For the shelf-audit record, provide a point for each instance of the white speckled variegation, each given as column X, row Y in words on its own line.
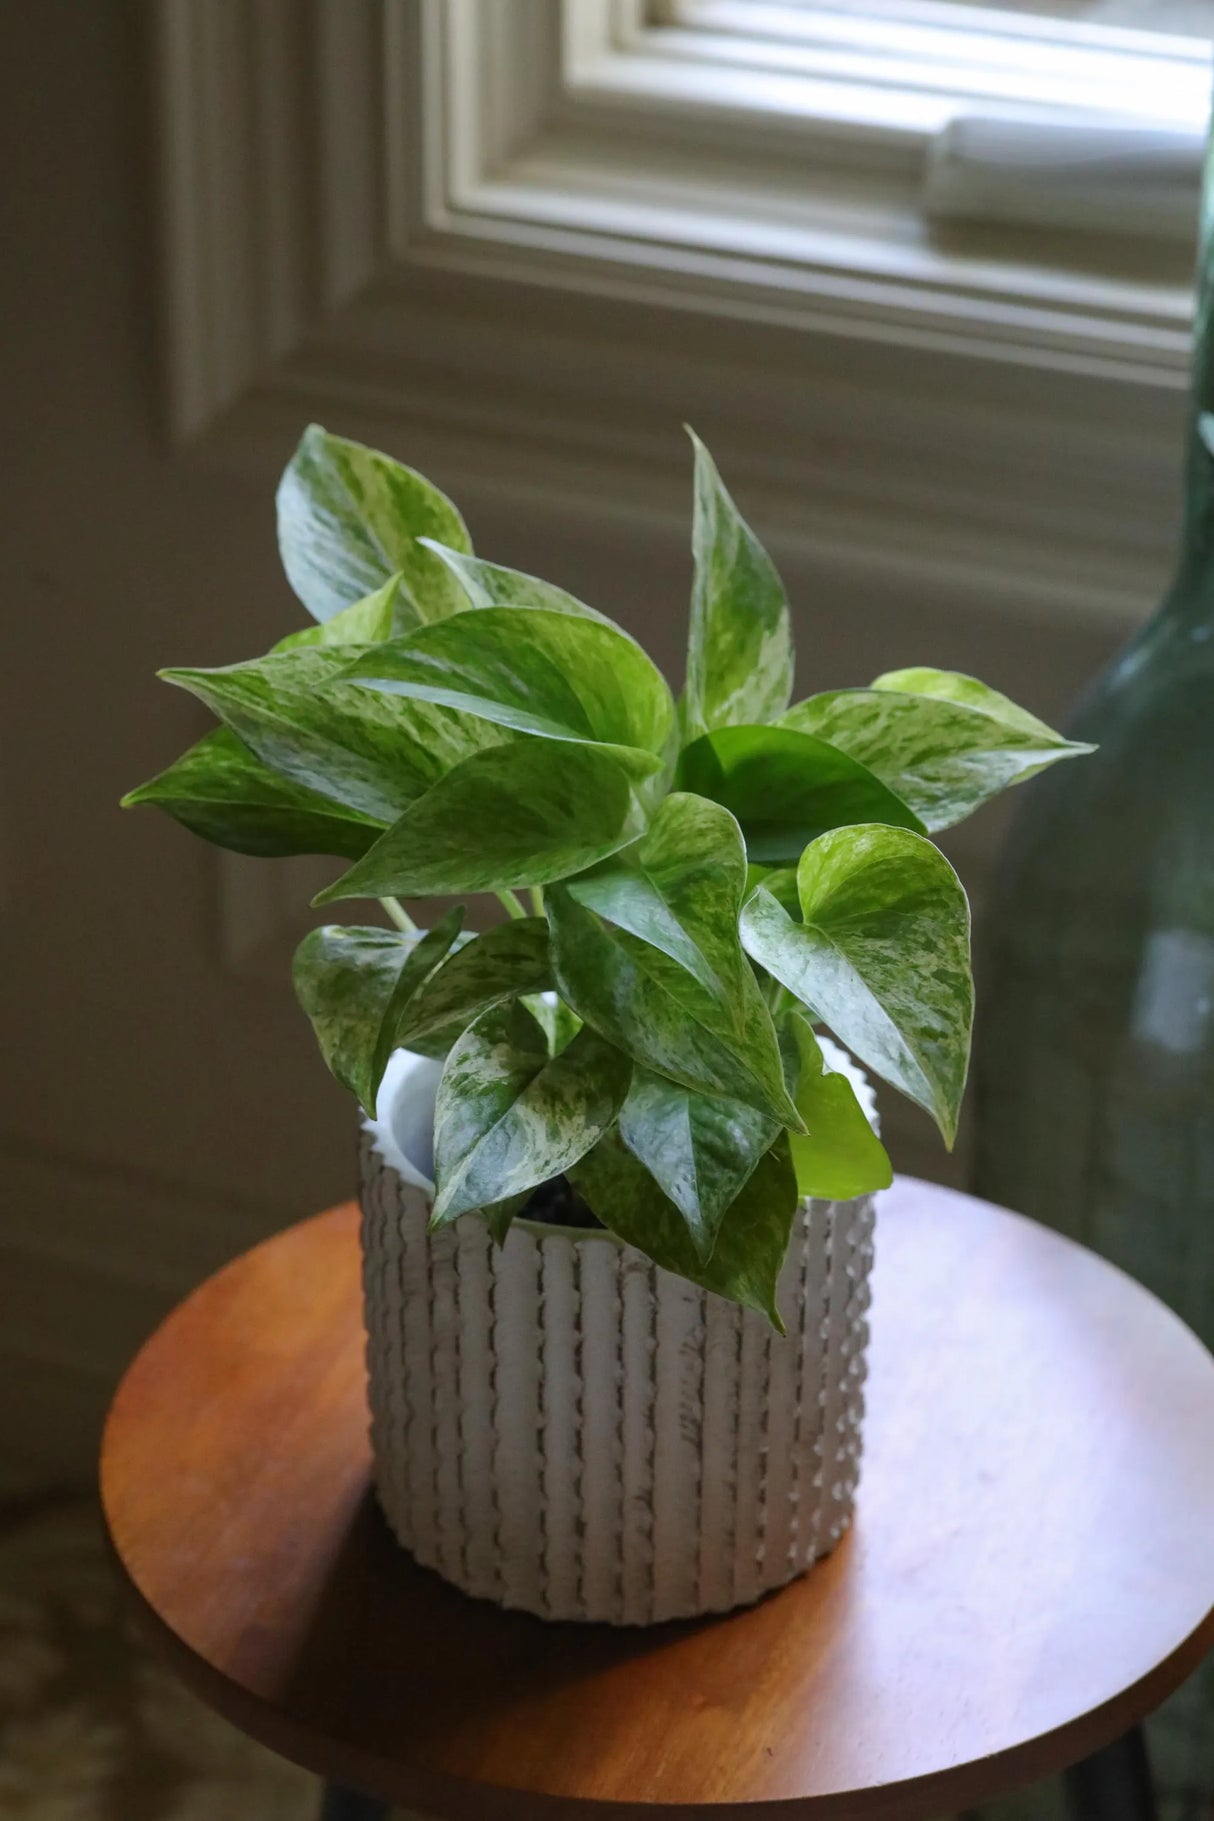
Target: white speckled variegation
column 559, row 1425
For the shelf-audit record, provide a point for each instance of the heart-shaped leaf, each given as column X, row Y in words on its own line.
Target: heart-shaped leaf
column 355, row 984
column 942, row 742
column 786, row 788
column 513, row 816
column 371, row 752
column 509, row 1116
column 541, row 673
column 376, row 617
column 740, row 656
column 840, row 1155
column 505, row 963
column 491, row 585
column 680, row 889
column 223, row 792
column 882, row 957
column 349, row 518
column 752, row 1238
column 699, row 1148
column 650, row 1006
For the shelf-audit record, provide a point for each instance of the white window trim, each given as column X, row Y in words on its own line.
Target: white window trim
column 461, row 231
column 619, row 178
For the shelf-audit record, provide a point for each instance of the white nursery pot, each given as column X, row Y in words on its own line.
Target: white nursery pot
column 562, row 1426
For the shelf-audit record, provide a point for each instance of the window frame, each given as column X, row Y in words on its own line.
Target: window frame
column 424, row 224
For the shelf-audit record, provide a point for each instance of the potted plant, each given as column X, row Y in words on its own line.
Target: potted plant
column 617, row 1186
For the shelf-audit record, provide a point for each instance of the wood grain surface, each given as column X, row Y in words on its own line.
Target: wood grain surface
column 1031, row 1569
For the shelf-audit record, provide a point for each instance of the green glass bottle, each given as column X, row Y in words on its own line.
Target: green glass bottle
column 1094, row 1065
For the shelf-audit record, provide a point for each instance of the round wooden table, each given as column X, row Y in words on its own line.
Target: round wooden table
column 1030, row 1572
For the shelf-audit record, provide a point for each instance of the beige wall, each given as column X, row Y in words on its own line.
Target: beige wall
column 163, row 1104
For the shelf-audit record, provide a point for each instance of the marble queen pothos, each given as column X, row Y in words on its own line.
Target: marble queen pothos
column 707, row 879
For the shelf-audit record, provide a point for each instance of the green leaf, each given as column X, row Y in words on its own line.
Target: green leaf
column 376, row 617
column 648, row 1005
column 786, row 788
column 955, row 686
column 509, row 1117
column 540, row 673
column 679, row 889
column 506, row 962
column 751, row 1240
column 699, row 1148
column 943, row 742
column 740, row 656
column 355, row 984
column 349, row 518
column 368, row 751
column 840, row 1155
column 223, row 792
column 882, row 957
column 558, row 1021
column 491, row 585
column 517, row 815
column 780, row 881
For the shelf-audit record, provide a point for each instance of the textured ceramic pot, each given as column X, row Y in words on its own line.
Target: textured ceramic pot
column 561, row 1426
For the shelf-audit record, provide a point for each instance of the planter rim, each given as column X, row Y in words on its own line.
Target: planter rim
column 401, row 1134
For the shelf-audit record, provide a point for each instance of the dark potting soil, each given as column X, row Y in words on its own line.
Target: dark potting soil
column 558, row 1204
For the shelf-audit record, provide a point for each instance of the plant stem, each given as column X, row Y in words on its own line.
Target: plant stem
column 536, row 893
column 399, row 914
column 513, row 906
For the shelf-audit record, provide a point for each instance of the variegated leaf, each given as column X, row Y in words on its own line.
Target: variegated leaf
column 368, row 751
column 537, row 672
column 740, row 656
column 955, row 686
column 376, row 617
column 839, row 1155
column 491, row 585
column 786, row 788
column 505, row 963
column 355, row 985
column 650, row 1006
column 349, row 518
column 699, row 1148
column 222, row 791
column 679, row 889
column 510, row 1117
column 752, row 1237
column 882, row 957
column 517, row 815
column 558, row 1021
column 942, row 742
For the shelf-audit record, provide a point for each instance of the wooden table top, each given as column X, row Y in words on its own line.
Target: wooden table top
column 1031, row 1569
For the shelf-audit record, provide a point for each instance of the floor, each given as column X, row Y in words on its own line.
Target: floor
column 91, row 1729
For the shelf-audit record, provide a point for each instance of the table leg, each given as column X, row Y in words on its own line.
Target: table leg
column 1114, row 1784
column 342, row 1804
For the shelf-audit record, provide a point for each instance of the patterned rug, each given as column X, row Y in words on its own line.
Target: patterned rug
column 92, row 1729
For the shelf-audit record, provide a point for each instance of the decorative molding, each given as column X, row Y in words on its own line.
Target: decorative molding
column 401, row 214
column 445, row 226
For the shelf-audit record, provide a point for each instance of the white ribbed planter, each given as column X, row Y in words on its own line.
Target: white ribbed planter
column 559, row 1425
